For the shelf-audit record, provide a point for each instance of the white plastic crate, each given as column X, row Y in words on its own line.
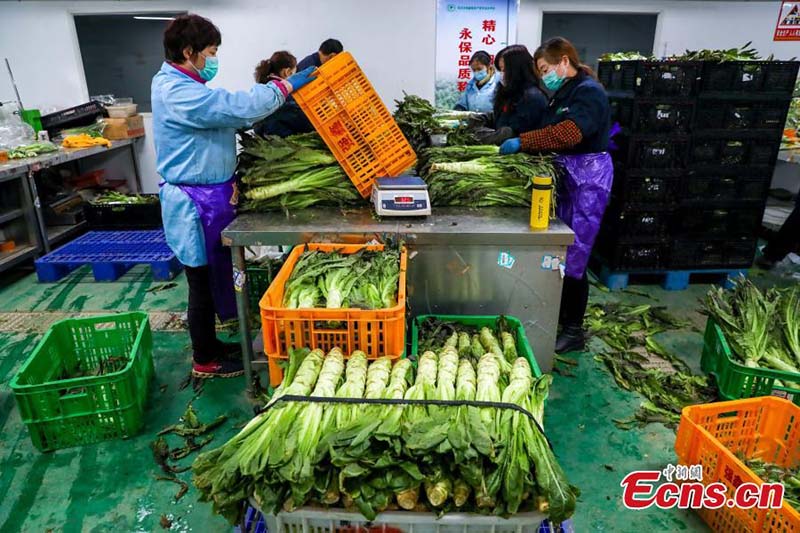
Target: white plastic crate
column 313, row 520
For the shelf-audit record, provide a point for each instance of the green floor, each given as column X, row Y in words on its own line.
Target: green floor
column 111, row 486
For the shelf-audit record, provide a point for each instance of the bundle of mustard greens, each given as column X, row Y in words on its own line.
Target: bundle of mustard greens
column 374, row 457
column 478, row 176
column 291, row 173
column 364, row 280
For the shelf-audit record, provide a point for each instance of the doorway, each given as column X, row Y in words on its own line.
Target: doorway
column 594, row 34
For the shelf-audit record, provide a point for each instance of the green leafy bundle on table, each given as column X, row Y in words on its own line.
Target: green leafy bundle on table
column 115, row 198
column 637, row 362
column 419, row 119
column 291, row 173
column 478, row 176
column 375, row 457
column 624, row 56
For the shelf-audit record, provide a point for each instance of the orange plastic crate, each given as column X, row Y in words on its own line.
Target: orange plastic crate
column 355, row 124
column 766, row 428
column 377, row 332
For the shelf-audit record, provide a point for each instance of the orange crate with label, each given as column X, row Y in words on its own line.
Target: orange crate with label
column 355, row 124
column 376, row 332
column 765, row 428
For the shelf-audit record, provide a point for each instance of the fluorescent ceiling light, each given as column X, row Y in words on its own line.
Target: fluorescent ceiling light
column 154, row 18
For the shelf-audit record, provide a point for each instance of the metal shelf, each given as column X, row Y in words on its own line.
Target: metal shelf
column 11, row 214
column 16, row 167
column 9, row 259
column 59, row 233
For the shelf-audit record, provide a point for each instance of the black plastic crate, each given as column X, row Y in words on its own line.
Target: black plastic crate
column 652, row 152
column 661, row 116
column 618, row 75
column 74, row 117
column 733, row 253
column 620, row 255
column 621, row 111
column 741, row 115
column 718, row 221
column 124, row 216
column 637, row 223
column 731, row 152
column 776, row 77
column 724, row 187
column 668, row 78
column 642, row 188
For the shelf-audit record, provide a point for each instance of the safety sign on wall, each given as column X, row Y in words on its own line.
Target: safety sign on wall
column 788, row 25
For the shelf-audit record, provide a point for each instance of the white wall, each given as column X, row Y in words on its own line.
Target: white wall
column 681, row 25
column 394, row 41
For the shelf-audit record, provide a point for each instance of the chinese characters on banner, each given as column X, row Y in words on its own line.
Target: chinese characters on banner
column 788, row 25
column 464, row 27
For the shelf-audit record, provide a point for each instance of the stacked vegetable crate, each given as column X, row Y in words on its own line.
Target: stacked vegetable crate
column 696, row 155
column 653, row 103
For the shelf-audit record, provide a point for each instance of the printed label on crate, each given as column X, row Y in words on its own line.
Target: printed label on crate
column 682, row 486
column 783, row 394
column 238, row 279
column 506, row 260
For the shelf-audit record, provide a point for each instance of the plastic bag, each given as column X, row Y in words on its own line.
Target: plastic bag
column 14, row 132
column 583, row 192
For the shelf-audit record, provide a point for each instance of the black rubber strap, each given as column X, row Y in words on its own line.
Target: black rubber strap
column 388, row 401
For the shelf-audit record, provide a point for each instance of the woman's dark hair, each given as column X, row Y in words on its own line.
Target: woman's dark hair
column 191, row 31
column 518, row 76
column 272, row 66
column 481, row 57
column 552, row 50
column 331, row 46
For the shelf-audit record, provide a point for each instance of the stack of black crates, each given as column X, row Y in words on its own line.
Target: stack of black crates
column 693, row 162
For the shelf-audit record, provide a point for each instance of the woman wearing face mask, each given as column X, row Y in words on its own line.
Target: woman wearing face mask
column 479, row 94
column 194, row 129
column 519, row 105
column 289, row 119
column 576, row 125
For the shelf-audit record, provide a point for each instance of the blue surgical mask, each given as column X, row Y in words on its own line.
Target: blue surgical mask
column 552, row 80
column 480, row 75
column 210, row 70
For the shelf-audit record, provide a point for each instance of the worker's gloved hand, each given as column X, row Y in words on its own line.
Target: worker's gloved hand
column 511, row 146
column 495, row 137
column 302, row 78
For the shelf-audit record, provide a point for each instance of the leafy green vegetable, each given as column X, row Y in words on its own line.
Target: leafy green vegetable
column 366, row 280
column 477, row 176
column 291, row 173
column 761, row 327
column 371, row 458
column 629, row 331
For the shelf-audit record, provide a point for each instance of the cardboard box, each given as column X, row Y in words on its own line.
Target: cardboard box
column 124, row 128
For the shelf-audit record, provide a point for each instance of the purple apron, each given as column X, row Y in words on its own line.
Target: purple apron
column 216, row 205
column 583, row 191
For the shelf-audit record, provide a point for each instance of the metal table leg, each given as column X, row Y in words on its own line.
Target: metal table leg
column 135, row 161
column 243, row 308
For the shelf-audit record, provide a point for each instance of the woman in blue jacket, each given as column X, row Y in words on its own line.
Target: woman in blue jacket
column 576, row 125
column 479, row 94
column 194, row 129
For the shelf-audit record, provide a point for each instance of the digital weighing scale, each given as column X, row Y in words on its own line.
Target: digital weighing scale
column 403, row 196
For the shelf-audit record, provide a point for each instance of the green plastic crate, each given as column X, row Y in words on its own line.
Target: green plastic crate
column 258, row 280
column 523, row 346
column 736, row 381
column 72, row 412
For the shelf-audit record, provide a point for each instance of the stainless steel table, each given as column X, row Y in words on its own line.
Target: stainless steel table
column 461, row 261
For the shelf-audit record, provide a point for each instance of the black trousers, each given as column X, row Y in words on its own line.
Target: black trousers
column 788, row 237
column 202, row 317
column 574, row 299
